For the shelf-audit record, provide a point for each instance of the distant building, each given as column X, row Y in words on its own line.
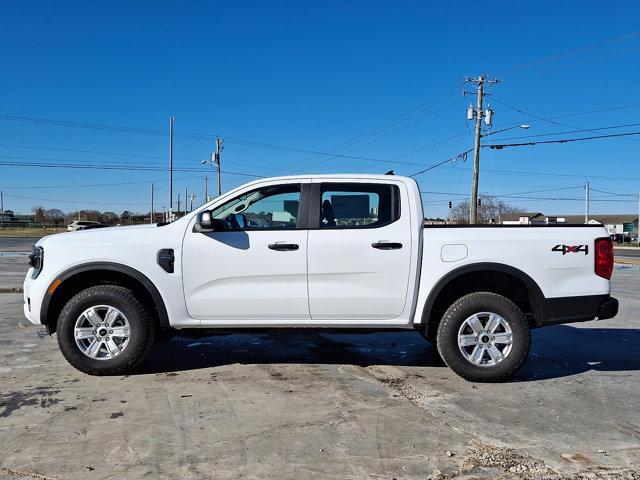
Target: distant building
column 614, row 223
column 7, row 216
column 10, row 219
column 524, row 218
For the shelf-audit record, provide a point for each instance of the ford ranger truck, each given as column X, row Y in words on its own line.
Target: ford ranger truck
column 327, row 252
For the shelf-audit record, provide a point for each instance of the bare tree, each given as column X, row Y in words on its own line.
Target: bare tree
column 109, row 218
column 38, row 214
column 490, row 210
column 92, row 215
column 55, row 215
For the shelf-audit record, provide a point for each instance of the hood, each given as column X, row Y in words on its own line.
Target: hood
column 108, row 235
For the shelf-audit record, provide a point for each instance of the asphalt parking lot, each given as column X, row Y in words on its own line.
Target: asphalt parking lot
column 306, row 405
column 13, row 261
column 627, row 252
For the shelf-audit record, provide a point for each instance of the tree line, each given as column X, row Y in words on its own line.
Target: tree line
column 55, row 216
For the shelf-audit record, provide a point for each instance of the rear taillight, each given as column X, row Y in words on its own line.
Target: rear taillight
column 604, row 257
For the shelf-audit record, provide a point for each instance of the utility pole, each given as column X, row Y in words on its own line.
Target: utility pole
column 185, row 199
column 476, row 154
column 206, row 191
column 192, row 197
column 178, row 204
column 219, row 148
column 638, row 227
column 152, row 212
column 215, row 163
column 478, row 114
column 171, row 122
column 1, row 210
column 586, row 201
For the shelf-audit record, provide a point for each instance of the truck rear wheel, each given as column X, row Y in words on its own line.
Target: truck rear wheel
column 105, row 330
column 484, row 337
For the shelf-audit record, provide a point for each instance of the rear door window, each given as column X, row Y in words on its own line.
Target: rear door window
column 358, row 205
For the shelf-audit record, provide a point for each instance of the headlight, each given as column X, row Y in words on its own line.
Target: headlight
column 36, row 260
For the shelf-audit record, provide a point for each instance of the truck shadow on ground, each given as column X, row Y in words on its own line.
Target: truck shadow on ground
column 556, row 352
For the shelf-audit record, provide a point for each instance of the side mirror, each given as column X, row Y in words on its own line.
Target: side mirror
column 204, row 222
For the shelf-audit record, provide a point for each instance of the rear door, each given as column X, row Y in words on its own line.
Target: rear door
column 360, row 248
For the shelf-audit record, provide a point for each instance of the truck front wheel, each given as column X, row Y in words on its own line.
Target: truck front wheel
column 484, row 337
column 105, row 330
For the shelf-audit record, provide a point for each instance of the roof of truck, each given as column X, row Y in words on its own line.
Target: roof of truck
column 337, row 175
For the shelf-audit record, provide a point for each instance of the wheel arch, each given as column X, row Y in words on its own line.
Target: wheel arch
column 79, row 277
column 485, row 276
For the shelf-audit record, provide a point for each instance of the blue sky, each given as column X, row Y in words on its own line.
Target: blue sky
column 314, row 75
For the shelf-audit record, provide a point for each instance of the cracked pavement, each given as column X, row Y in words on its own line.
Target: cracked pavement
column 309, row 405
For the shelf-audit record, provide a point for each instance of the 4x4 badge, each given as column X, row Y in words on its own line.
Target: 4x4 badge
column 571, row 249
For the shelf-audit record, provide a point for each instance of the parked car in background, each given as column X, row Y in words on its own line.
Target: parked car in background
column 620, row 238
column 77, row 224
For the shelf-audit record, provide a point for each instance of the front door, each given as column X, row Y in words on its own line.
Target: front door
column 256, row 269
column 360, row 248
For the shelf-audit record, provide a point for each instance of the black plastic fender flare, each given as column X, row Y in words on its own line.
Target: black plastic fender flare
column 114, row 267
column 534, row 288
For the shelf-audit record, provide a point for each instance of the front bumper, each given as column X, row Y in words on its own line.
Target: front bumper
column 578, row 309
column 32, row 297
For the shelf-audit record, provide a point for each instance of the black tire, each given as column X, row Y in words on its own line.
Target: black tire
column 141, row 330
column 465, row 307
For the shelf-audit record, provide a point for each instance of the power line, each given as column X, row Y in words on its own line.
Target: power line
column 602, row 110
column 382, row 127
column 375, row 160
column 562, row 140
column 461, row 156
column 95, row 152
column 627, row 125
column 575, row 51
column 81, row 185
column 122, row 154
column 378, row 138
column 559, row 175
column 538, row 118
column 115, row 167
column 430, row 145
column 615, row 194
column 548, row 120
column 184, row 135
column 551, row 190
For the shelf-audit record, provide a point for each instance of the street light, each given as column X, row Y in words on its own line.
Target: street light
column 523, row 125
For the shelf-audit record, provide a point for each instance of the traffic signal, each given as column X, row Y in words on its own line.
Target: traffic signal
column 450, row 205
column 479, row 202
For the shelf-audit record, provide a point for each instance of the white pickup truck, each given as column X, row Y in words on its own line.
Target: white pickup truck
column 331, row 252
